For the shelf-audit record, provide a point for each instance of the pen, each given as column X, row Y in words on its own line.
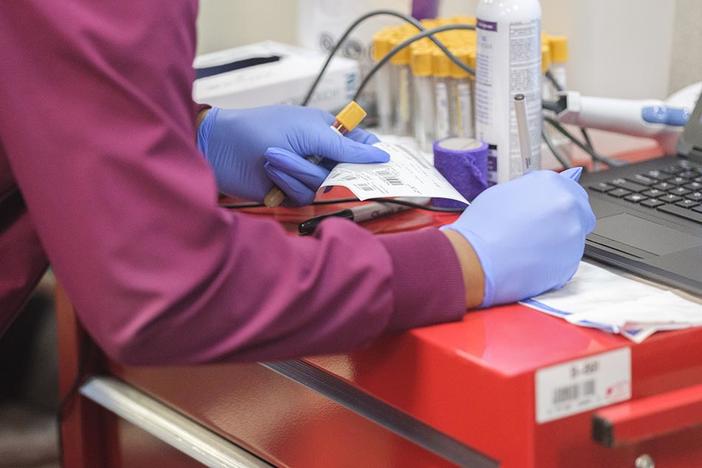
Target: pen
column 523, row 130
column 346, row 120
column 356, row 214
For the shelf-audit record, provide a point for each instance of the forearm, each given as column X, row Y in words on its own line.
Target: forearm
column 158, row 273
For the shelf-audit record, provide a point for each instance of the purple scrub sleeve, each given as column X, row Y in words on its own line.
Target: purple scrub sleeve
column 97, row 134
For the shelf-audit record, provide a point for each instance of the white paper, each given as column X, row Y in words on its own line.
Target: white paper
column 583, row 384
column 407, row 174
column 598, row 298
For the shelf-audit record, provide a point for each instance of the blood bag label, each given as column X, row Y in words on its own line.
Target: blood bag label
column 581, row 385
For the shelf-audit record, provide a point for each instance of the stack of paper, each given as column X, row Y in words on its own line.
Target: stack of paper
column 598, row 298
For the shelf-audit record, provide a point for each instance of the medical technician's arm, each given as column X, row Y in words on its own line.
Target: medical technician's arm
column 97, row 120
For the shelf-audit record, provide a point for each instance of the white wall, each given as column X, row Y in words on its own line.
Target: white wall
column 229, row 23
column 687, row 44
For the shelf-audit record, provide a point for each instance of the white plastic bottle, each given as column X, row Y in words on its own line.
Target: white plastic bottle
column 508, row 63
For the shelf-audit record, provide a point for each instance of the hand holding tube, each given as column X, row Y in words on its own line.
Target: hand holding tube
column 250, row 150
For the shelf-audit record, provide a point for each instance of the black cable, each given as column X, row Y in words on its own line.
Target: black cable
column 593, row 154
column 553, row 106
column 554, row 81
column 586, row 137
column 355, row 24
column 410, row 40
column 352, row 200
column 261, row 205
column 557, row 154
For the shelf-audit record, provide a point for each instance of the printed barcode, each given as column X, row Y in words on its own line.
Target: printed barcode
column 365, row 187
column 573, row 392
column 390, row 177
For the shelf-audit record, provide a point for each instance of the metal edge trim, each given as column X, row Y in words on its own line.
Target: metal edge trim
column 168, row 425
column 382, row 414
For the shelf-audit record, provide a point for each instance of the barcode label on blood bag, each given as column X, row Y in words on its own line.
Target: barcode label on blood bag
column 582, row 385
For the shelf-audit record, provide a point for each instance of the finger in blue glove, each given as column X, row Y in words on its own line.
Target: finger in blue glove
column 297, row 193
column 289, row 163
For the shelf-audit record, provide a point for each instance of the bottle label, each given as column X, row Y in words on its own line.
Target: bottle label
column 525, row 78
column 508, row 63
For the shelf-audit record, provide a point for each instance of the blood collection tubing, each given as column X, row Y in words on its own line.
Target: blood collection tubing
column 346, row 120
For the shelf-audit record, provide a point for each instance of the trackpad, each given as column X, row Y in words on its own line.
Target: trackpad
column 644, row 235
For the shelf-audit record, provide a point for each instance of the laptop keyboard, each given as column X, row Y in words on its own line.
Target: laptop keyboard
column 675, row 189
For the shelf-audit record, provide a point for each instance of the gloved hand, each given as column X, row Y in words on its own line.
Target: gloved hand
column 529, row 233
column 251, row 149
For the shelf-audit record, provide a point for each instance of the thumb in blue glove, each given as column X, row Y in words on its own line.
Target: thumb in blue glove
column 251, row 149
column 529, row 233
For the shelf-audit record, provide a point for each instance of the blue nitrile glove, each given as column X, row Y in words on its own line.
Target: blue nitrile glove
column 251, row 149
column 529, row 233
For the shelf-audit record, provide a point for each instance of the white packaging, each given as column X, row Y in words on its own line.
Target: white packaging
column 508, row 63
column 285, row 81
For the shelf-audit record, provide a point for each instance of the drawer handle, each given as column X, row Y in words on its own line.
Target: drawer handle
column 648, row 418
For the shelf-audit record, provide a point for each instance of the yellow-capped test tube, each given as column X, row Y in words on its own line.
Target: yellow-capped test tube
column 441, row 71
column 461, row 95
column 401, row 76
column 385, row 97
column 345, row 121
column 423, row 104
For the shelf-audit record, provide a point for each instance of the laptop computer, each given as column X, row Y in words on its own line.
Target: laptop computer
column 649, row 214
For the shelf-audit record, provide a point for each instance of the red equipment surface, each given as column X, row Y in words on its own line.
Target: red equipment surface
column 468, row 385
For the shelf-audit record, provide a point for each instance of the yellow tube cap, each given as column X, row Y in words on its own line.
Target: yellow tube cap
column 545, row 58
column 463, row 20
column 421, row 62
column 381, row 45
column 402, row 57
column 351, row 115
column 473, row 58
column 441, row 65
column 464, row 56
column 429, row 23
column 559, row 48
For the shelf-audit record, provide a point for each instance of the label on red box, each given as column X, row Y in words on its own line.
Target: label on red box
column 581, row 385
